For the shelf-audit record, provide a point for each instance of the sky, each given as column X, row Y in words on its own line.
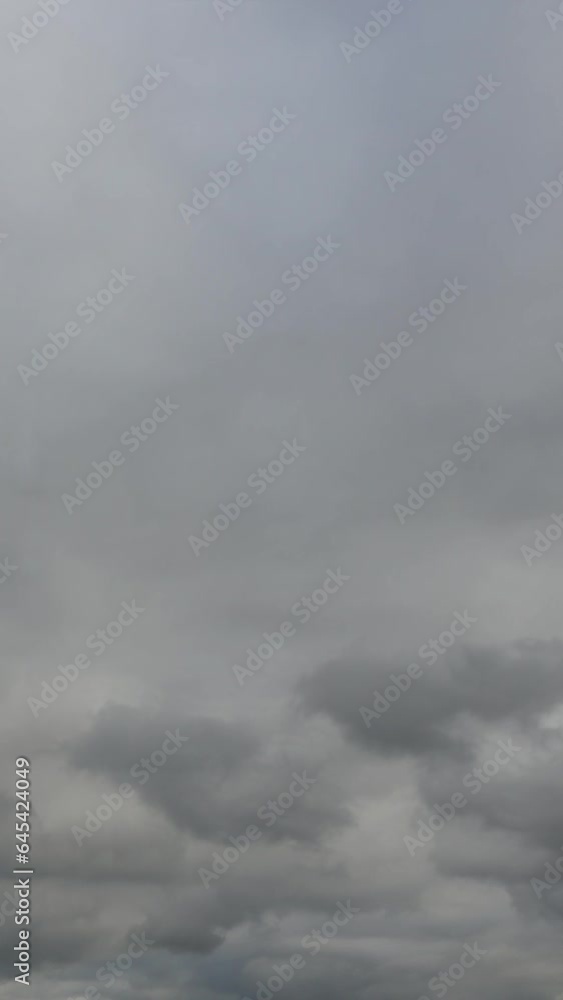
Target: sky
column 282, row 472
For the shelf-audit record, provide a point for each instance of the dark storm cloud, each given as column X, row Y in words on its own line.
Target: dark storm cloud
column 217, row 781
column 486, row 685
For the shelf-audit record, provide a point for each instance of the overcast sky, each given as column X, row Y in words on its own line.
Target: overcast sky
column 313, row 246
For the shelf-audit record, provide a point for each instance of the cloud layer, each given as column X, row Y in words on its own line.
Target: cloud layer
column 255, row 810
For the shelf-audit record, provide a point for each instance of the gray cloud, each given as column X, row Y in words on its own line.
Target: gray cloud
column 323, row 176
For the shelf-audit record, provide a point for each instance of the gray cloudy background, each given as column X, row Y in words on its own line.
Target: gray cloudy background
column 332, row 509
